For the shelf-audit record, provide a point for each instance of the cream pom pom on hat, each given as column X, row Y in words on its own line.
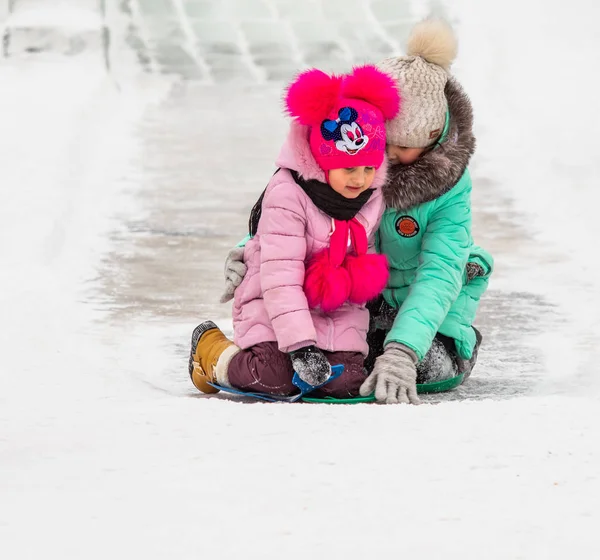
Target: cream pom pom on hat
column 422, row 77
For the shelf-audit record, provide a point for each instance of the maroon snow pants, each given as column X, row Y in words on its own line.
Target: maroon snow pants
column 264, row 368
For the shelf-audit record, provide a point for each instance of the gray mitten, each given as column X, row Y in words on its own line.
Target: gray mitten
column 235, row 270
column 394, row 377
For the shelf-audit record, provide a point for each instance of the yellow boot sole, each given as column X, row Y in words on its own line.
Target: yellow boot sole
column 201, row 380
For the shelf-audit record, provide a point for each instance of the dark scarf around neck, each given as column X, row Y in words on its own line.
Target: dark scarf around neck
column 329, row 201
column 322, row 196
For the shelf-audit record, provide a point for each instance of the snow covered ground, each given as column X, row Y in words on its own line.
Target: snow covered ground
column 120, row 195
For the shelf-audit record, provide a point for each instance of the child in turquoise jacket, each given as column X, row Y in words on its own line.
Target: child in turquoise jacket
column 421, row 329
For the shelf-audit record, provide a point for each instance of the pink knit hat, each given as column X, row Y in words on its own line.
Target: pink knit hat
column 346, row 114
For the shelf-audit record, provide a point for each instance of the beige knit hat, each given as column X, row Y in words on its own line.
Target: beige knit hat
column 421, row 77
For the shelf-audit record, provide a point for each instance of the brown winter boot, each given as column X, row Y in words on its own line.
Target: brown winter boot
column 208, row 344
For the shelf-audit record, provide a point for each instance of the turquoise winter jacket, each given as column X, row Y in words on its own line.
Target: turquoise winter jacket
column 426, row 235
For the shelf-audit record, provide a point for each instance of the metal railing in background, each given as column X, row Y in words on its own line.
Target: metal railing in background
column 6, row 7
column 105, row 34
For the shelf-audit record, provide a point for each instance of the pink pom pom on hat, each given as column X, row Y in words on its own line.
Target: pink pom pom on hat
column 346, row 114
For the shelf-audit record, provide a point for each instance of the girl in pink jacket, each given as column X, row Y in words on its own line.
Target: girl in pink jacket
column 311, row 264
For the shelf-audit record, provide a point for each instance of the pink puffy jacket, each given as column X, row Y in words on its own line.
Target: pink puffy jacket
column 270, row 304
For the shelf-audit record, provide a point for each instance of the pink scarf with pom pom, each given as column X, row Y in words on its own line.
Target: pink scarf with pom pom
column 335, row 276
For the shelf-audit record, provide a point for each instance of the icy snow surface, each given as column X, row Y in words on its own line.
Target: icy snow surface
column 121, row 193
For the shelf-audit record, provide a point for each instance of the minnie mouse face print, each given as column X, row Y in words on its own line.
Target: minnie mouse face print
column 353, row 139
column 345, row 131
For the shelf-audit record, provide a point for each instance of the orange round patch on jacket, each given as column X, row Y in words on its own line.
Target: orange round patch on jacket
column 407, row 226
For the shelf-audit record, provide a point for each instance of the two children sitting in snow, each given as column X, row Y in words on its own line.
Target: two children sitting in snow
column 355, row 258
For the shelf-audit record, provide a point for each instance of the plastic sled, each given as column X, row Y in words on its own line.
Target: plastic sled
column 434, row 387
column 304, row 388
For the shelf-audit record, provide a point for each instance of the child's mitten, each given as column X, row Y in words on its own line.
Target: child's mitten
column 311, row 365
column 394, row 377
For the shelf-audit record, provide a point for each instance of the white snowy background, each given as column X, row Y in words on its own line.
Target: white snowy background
column 135, row 137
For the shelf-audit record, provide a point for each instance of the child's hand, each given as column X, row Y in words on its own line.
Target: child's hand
column 394, row 377
column 235, row 270
column 311, row 365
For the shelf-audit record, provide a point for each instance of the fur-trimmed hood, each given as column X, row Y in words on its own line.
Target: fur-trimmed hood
column 296, row 155
column 437, row 171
